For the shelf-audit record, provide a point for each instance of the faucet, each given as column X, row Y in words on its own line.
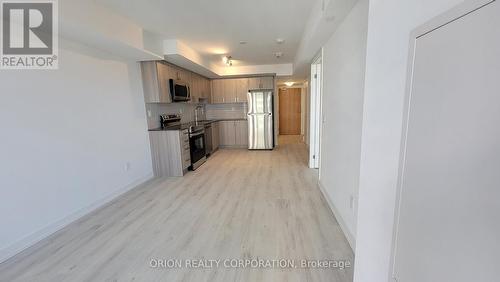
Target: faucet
column 196, row 117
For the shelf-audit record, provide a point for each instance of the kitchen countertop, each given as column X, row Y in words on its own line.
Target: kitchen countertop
column 183, row 126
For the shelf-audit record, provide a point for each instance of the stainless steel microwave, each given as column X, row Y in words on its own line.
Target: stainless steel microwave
column 179, row 90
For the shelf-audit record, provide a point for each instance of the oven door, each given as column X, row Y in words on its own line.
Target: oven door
column 197, row 145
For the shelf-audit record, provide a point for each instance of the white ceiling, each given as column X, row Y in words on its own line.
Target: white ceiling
column 215, row 27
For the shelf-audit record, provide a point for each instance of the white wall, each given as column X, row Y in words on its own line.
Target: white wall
column 66, row 137
column 389, row 27
column 343, row 81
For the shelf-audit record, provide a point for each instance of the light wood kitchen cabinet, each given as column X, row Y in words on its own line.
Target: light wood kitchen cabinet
column 180, row 74
column 241, row 89
column 229, row 90
column 241, row 133
column 156, row 77
column 258, row 83
column 227, row 133
column 170, row 152
column 233, row 133
column 217, row 91
column 215, row 136
column 155, row 82
column 200, row 88
column 207, row 90
column 196, row 88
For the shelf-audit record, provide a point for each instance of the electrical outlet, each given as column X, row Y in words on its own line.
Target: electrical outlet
column 128, row 166
column 149, row 114
column 351, row 202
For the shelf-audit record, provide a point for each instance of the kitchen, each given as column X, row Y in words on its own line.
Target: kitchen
column 191, row 116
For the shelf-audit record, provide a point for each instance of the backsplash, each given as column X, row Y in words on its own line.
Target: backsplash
column 155, row 110
column 212, row 111
column 226, row 111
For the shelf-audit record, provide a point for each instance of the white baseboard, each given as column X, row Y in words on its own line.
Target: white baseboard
column 340, row 220
column 45, row 232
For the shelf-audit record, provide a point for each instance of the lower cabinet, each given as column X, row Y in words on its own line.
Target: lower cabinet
column 233, row 133
column 170, row 152
column 215, row 136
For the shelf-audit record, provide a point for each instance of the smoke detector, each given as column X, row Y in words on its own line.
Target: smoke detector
column 278, row 55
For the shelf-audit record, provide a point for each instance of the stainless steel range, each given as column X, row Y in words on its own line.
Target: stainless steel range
column 197, row 145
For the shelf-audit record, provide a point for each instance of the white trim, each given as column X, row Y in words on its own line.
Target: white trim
column 444, row 19
column 349, row 236
column 315, row 110
column 37, row 236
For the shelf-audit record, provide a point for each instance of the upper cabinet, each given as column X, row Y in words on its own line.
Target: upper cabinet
column 241, row 89
column 217, row 86
column 155, row 82
column 229, row 90
column 180, row 74
column 156, row 77
column 258, row 83
column 200, row 88
column 234, row 90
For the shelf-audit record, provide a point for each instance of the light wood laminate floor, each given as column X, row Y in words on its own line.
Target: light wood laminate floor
column 239, row 205
column 290, row 139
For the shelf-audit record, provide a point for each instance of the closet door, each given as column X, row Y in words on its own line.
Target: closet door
column 449, row 223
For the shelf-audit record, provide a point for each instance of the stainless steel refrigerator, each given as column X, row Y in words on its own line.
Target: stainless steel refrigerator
column 260, row 120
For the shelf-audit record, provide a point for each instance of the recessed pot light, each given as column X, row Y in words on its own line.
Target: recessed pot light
column 280, row 40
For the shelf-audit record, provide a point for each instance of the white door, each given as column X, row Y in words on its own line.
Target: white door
column 449, row 211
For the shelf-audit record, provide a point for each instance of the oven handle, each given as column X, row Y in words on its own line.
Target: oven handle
column 197, row 134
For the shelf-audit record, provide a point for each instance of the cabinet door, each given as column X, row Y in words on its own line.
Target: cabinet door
column 150, row 83
column 227, row 133
column 241, row 133
column 195, row 88
column 215, row 136
column 201, row 85
column 261, row 83
column 229, row 90
column 163, row 73
column 267, row 82
column 185, row 75
column 174, row 73
column 254, row 83
column 207, row 90
column 217, row 91
column 241, row 90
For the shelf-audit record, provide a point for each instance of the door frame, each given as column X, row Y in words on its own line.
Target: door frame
column 440, row 21
column 315, row 111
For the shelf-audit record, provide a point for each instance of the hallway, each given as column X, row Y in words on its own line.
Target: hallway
column 239, row 205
